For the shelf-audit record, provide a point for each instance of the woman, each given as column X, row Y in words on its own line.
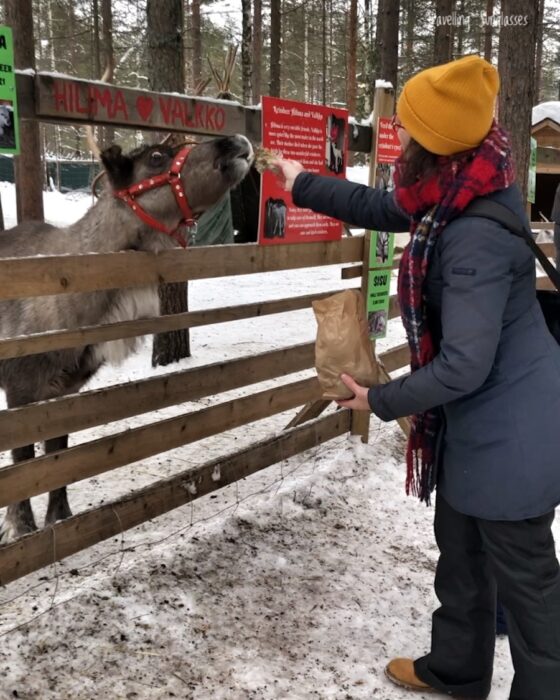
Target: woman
column 484, row 390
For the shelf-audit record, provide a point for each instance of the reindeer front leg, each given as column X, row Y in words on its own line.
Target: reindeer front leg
column 19, row 518
column 58, row 508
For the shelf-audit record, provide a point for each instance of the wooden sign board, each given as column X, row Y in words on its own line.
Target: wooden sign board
column 49, row 97
column 64, row 99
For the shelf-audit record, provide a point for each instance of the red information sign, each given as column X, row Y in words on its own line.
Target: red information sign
column 317, row 137
column 388, row 145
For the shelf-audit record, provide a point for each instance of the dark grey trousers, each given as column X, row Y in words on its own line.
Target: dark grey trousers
column 475, row 554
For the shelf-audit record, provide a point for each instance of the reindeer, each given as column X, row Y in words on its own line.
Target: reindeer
column 137, row 211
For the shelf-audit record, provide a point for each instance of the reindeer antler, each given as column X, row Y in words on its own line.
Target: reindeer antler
column 223, row 82
column 201, row 86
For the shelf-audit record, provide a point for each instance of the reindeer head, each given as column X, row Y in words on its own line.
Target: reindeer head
column 210, row 170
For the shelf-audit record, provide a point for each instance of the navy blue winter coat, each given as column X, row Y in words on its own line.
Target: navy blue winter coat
column 497, row 373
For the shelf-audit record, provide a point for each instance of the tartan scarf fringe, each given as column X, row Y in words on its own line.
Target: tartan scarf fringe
column 432, row 203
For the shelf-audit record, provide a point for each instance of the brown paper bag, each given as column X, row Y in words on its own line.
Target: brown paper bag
column 342, row 344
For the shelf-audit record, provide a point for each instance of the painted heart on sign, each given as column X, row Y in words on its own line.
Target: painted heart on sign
column 144, row 106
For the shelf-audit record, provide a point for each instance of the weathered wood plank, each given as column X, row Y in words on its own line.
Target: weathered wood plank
column 311, row 410
column 65, row 99
column 361, row 419
column 21, row 346
column 545, row 283
column 68, row 414
column 548, row 248
column 37, row 550
column 27, row 277
column 35, row 476
column 396, row 357
column 350, row 273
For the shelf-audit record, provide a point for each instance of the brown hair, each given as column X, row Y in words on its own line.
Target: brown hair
column 417, row 163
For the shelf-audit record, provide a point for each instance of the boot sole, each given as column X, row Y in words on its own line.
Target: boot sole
column 417, row 689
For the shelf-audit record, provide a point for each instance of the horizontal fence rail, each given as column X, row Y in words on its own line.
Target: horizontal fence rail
column 35, row 476
column 69, row 414
column 70, row 536
column 65, row 274
column 22, row 346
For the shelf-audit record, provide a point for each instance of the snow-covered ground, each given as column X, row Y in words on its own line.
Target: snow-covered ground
column 299, row 582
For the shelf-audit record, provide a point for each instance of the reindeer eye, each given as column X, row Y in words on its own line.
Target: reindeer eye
column 156, row 158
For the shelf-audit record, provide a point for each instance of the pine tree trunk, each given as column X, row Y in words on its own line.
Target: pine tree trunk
column 409, row 37
column 443, row 37
column 351, row 85
column 275, row 47
column 196, row 30
column 28, row 169
column 246, row 52
column 166, row 72
column 488, row 31
column 539, row 54
column 460, row 31
column 257, row 50
column 390, row 42
column 379, row 24
column 516, row 63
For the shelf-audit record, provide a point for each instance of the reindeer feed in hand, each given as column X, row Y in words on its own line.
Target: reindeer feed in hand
column 264, row 159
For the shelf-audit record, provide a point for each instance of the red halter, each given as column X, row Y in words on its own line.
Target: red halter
column 172, row 178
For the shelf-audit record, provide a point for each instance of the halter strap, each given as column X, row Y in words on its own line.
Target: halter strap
column 172, row 178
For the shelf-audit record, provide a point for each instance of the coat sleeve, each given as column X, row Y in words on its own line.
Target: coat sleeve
column 347, row 201
column 477, row 270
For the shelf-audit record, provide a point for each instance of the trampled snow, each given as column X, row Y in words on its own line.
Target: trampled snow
column 299, row 582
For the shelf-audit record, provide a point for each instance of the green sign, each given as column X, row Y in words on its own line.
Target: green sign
column 381, row 252
column 9, row 131
column 532, row 181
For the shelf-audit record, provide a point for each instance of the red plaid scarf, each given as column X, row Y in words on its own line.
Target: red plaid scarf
column 432, row 203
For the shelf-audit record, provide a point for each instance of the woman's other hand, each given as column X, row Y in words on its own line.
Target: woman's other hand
column 288, row 171
column 359, row 402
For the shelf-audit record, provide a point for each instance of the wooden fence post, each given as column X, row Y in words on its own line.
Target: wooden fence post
column 383, row 106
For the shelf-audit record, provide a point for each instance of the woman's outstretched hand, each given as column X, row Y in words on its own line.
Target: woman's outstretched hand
column 359, row 402
column 288, row 170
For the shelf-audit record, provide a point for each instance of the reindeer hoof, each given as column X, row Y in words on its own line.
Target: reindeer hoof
column 61, row 512
column 10, row 531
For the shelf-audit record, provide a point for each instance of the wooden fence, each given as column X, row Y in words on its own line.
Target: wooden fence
column 63, row 99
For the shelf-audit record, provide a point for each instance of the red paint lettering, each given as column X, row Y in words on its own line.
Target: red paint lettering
column 79, row 96
column 119, row 106
column 210, row 118
column 187, row 120
column 61, row 97
column 100, row 97
column 177, row 113
column 165, row 107
column 199, row 115
column 220, row 119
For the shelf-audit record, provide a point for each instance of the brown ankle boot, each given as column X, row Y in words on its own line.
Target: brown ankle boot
column 401, row 673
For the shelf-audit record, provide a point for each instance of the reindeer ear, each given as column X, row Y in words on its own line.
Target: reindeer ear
column 119, row 167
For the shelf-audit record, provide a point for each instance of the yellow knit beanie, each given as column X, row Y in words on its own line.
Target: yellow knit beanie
column 449, row 108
